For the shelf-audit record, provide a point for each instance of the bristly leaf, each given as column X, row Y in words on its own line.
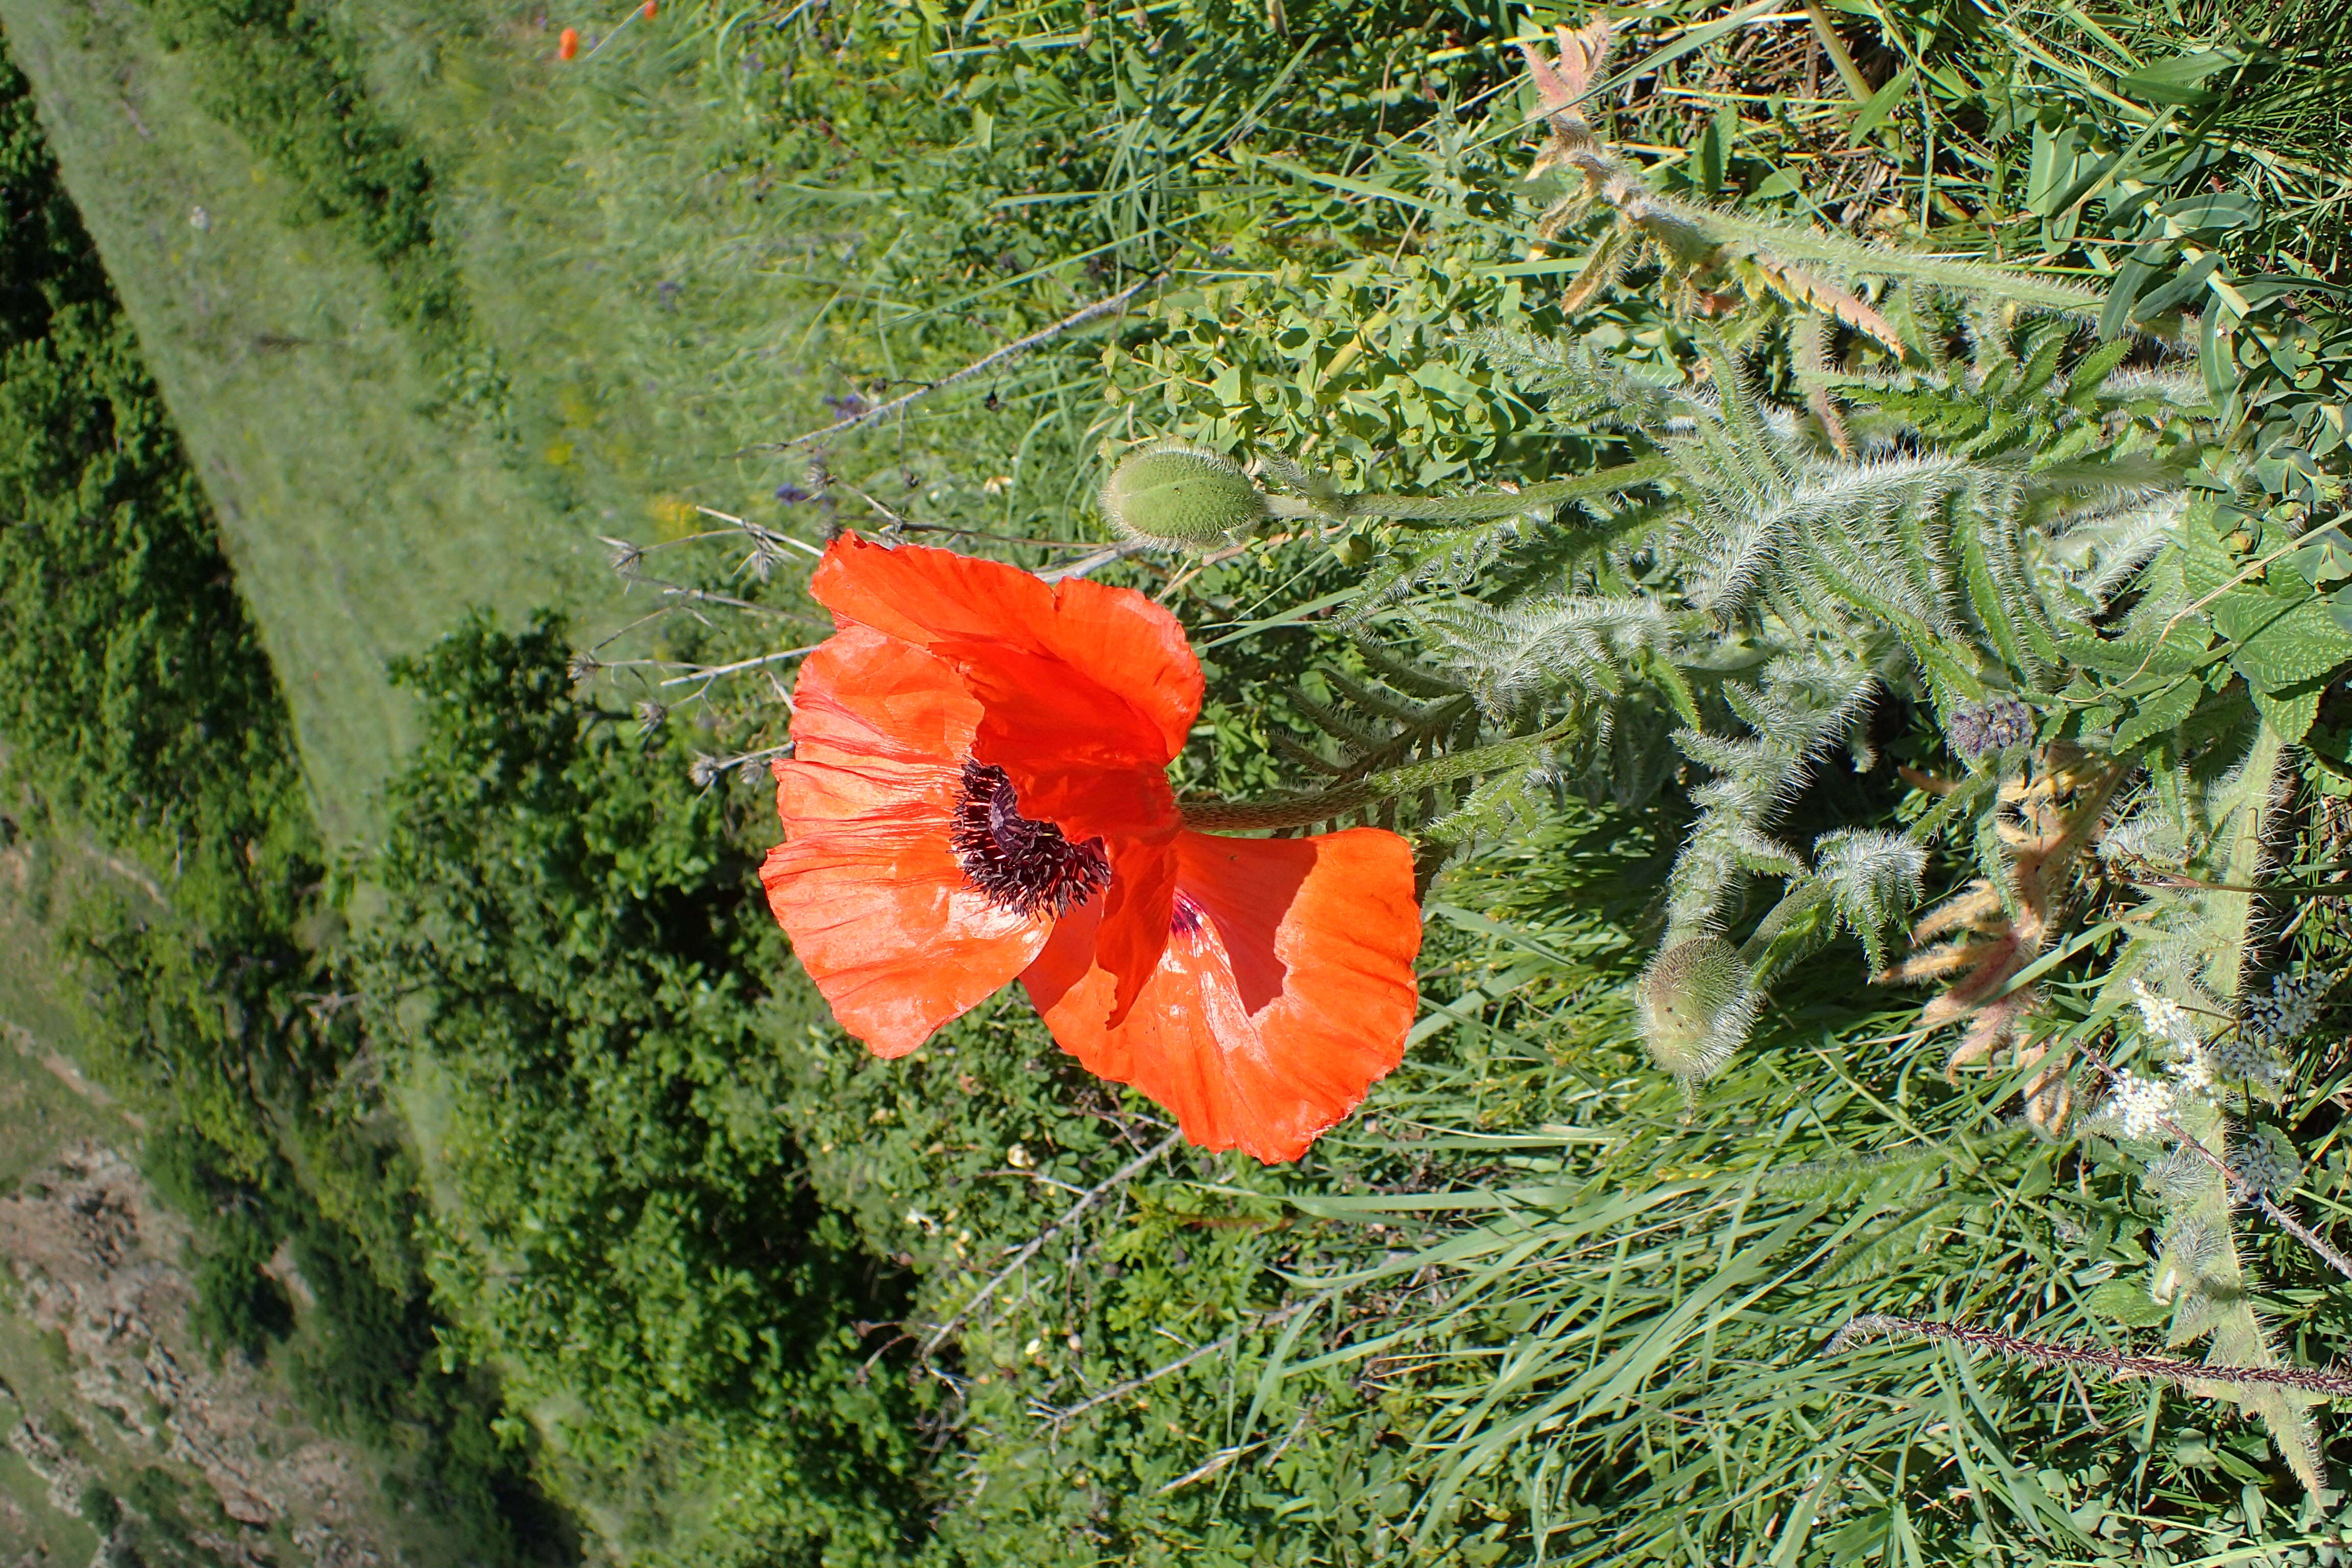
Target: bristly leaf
column 1874, row 879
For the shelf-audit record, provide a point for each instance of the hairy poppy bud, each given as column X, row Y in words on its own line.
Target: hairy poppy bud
column 1176, row 493
column 1696, row 1001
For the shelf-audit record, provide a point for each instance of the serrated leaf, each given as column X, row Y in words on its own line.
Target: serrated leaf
column 2165, row 710
column 2287, row 646
column 2124, row 657
column 2205, row 566
column 2290, row 713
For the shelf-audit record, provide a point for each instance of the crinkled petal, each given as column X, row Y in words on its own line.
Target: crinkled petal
column 1286, row 992
column 1137, row 910
column 866, row 883
column 863, row 695
column 1078, row 657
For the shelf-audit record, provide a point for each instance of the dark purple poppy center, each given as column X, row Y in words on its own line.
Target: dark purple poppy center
column 1185, row 918
column 1026, row 866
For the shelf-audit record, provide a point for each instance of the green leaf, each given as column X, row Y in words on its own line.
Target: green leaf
column 1882, row 103
column 2290, row 713
column 2126, row 658
column 2213, row 210
column 2288, row 646
column 2325, row 559
column 1714, row 144
column 2183, row 289
column 2130, row 279
column 2165, row 710
column 2177, row 81
column 2128, row 1303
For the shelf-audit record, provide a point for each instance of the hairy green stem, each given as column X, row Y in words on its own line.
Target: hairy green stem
column 1307, row 810
column 1470, row 509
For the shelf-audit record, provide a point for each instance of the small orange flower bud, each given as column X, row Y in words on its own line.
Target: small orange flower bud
column 567, row 43
column 651, row 7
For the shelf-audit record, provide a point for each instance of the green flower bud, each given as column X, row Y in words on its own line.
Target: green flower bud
column 1172, row 492
column 1696, row 1002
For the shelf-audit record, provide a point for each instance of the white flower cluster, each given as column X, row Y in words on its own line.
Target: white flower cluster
column 2138, row 1107
column 2198, row 1064
column 2166, row 1021
column 2290, row 1009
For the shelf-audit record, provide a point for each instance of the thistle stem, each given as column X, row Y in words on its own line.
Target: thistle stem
column 2115, row 1363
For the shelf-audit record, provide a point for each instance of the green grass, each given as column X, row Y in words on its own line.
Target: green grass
column 359, row 526
column 660, row 264
column 45, row 1532
column 639, row 308
column 42, row 1107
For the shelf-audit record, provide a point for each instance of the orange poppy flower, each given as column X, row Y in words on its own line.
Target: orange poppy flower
column 979, row 792
column 567, row 43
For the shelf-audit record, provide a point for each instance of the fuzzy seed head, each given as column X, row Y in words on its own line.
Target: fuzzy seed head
column 1696, row 1002
column 2179, row 1176
column 1178, row 494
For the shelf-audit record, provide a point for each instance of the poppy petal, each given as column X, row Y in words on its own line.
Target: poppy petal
column 877, row 906
column 863, row 695
column 1286, row 990
column 1083, row 650
column 1135, row 917
column 866, row 883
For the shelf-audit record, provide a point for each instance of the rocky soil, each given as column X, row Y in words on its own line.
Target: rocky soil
column 95, row 1262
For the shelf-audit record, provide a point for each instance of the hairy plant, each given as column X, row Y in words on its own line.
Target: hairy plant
column 1710, row 261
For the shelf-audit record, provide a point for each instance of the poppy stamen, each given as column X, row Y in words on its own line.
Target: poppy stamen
column 1023, row 865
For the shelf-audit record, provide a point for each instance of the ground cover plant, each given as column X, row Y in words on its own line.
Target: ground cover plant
column 1678, row 523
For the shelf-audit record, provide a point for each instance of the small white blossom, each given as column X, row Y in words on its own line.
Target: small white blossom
column 2164, row 1018
column 2137, row 1107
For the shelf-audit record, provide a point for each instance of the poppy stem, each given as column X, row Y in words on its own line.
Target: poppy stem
column 1307, row 810
column 1470, row 509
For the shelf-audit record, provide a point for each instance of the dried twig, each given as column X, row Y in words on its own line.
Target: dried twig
column 1087, row 564
column 1010, row 351
column 1057, row 1416
column 1036, row 1244
column 713, row 671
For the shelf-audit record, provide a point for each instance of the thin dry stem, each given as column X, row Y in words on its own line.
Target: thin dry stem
column 2188, row 1375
